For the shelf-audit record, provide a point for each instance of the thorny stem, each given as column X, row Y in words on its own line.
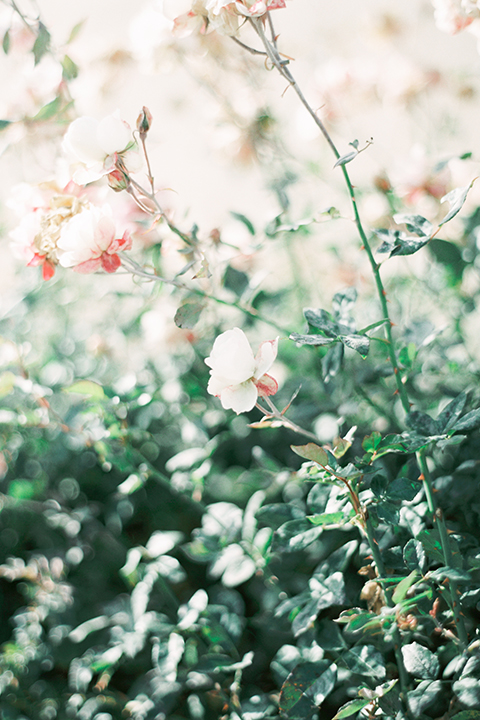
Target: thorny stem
column 274, row 57
column 280, row 65
column 445, row 543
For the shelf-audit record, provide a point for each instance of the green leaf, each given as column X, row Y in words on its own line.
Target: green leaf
column 456, row 199
column 451, row 413
column 467, row 715
column 188, row 314
column 422, row 423
column 88, row 388
column 335, row 518
column 416, row 224
column 244, row 220
column 295, row 535
column 321, row 320
column 452, row 574
column 311, row 451
column 414, row 555
column 430, row 540
column 365, row 660
column 235, row 280
column 403, row 488
column 420, row 661
column 350, row 708
column 359, row 343
column 348, row 157
column 424, row 696
column 4, row 124
column 6, row 42
column 404, row 586
column 316, row 340
column 470, row 421
column 49, row 110
column 74, row 31
column 278, row 514
column 70, row 69
column 306, row 687
column 467, row 690
column 41, row 44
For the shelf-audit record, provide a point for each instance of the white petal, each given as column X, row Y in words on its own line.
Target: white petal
column 232, row 357
column 80, row 141
column 267, row 352
column 240, row 398
column 113, row 134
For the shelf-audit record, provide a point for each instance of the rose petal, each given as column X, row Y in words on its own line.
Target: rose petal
column 110, row 263
column 232, row 357
column 267, row 385
column 240, row 398
column 267, row 352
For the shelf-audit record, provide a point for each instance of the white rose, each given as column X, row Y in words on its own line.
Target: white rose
column 237, row 377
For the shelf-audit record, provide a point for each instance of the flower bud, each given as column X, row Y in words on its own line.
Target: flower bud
column 144, row 121
column 118, row 180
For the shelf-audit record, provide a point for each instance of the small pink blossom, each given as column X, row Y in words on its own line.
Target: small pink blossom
column 237, row 377
column 88, row 242
column 224, row 16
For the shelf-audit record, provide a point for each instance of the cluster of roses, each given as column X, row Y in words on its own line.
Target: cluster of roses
column 224, row 16
column 63, row 226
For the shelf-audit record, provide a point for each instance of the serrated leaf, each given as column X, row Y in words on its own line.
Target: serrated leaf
column 456, row 199
column 41, row 44
column 311, row 451
column 453, row 574
column 88, row 388
column 430, row 540
column 415, row 224
column 359, row 343
column 420, row 661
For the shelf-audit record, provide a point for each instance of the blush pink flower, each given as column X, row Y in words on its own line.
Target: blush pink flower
column 224, row 16
column 238, row 377
column 88, row 242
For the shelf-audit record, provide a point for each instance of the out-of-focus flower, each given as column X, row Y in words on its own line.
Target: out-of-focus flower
column 224, row 16
column 451, row 16
column 94, row 147
column 88, row 242
column 45, row 213
column 237, row 377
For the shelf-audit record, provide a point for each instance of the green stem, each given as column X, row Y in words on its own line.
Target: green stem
column 397, row 640
column 280, row 65
column 446, row 548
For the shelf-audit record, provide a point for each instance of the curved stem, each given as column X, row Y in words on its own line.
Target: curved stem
column 134, row 269
column 280, row 65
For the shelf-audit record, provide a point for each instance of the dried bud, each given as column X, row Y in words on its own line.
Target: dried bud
column 144, row 121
